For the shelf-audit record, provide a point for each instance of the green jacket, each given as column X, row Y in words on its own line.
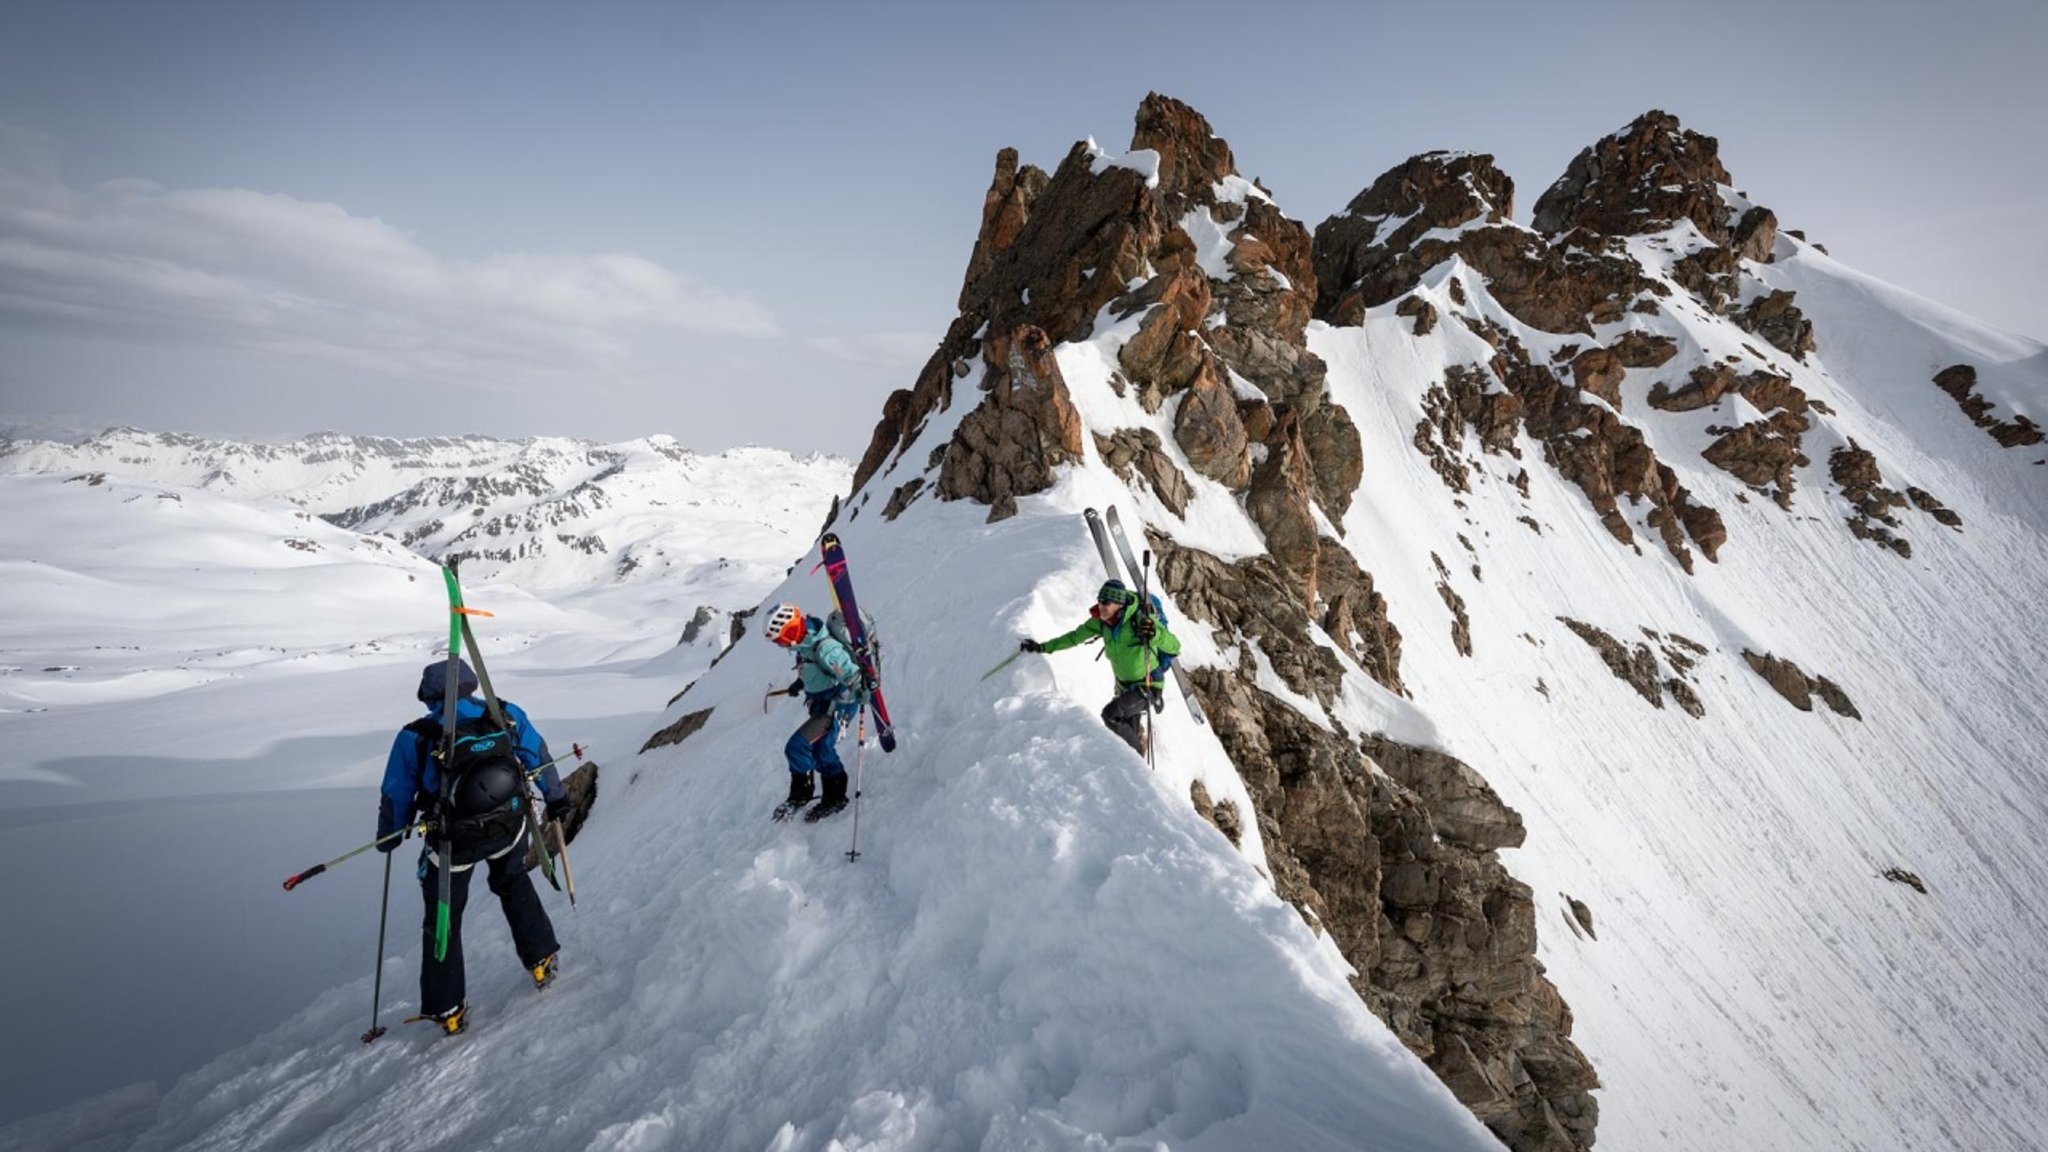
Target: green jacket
column 1131, row 660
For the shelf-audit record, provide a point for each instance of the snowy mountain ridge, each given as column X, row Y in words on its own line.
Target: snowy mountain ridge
column 1600, row 623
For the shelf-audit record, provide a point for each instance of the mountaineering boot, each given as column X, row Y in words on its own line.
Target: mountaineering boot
column 450, row 1022
column 799, row 795
column 833, row 800
column 543, row 973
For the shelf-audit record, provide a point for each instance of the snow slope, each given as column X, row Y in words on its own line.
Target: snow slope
column 212, row 683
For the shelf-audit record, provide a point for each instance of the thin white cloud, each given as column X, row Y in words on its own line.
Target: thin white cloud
column 887, row 349
column 134, row 261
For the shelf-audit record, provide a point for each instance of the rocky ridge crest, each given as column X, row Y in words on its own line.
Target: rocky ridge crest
column 1391, row 850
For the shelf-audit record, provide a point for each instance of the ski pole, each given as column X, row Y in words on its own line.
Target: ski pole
column 294, row 881
column 377, row 988
column 860, row 747
column 575, row 750
column 1144, row 610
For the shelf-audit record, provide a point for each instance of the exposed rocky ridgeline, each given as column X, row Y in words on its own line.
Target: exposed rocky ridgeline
column 1216, row 289
column 1440, row 206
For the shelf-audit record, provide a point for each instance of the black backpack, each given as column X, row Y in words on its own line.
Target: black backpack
column 482, row 785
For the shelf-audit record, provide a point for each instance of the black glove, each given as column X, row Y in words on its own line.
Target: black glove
column 558, row 810
column 796, row 688
column 1145, row 629
column 1158, row 700
column 1030, row 646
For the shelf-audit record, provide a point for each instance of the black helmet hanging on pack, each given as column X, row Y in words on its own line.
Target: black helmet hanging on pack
column 1114, row 592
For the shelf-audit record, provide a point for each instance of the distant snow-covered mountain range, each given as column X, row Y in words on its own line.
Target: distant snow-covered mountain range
column 551, row 513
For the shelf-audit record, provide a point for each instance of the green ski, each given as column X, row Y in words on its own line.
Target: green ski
column 483, row 679
column 445, row 895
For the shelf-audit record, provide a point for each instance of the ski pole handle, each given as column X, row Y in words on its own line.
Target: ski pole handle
column 294, row 881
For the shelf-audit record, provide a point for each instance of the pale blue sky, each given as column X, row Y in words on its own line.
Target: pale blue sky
column 748, row 222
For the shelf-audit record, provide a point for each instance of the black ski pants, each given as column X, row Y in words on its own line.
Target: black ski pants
column 1125, row 715
column 533, row 934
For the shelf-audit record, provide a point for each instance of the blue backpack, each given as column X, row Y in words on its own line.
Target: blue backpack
column 1159, row 614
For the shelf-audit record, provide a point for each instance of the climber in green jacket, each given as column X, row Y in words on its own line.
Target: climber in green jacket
column 1139, row 649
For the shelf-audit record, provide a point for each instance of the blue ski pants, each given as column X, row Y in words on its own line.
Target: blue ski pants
column 813, row 747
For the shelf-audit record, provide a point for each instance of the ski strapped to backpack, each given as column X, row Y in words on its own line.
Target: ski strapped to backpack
column 445, row 887
column 858, row 635
column 523, row 802
column 1123, row 546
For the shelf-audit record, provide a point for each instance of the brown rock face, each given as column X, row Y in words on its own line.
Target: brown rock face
column 1762, row 453
column 1355, row 615
column 1336, row 458
column 1960, row 382
column 1756, row 235
column 1773, row 317
column 1139, row 448
column 1644, row 350
column 1356, row 263
column 1208, row 429
column 1279, row 503
column 1799, row 689
column 1642, row 179
column 1025, row 427
column 1364, row 258
column 1854, row 470
column 1191, row 156
column 1600, row 371
column 1397, row 865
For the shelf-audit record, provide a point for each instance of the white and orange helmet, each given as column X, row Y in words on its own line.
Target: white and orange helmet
column 785, row 625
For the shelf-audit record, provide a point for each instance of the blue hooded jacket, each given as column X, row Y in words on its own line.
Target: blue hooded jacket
column 410, row 775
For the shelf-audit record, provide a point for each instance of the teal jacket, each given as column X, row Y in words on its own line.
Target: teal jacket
column 823, row 663
column 1130, row 659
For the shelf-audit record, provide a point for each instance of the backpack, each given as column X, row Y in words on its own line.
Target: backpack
column 482, row 785
column 835, row 625
column 1158, row 614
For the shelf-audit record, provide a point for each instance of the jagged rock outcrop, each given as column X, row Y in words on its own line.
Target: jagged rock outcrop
column 1960, row 382
column 1774, row 317
column 1639, row 668
column 1024, row 428
column 1855, row 472
column 1798, row 688
column 1140, row 449
column 1641, row 179
column 1444, row 204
